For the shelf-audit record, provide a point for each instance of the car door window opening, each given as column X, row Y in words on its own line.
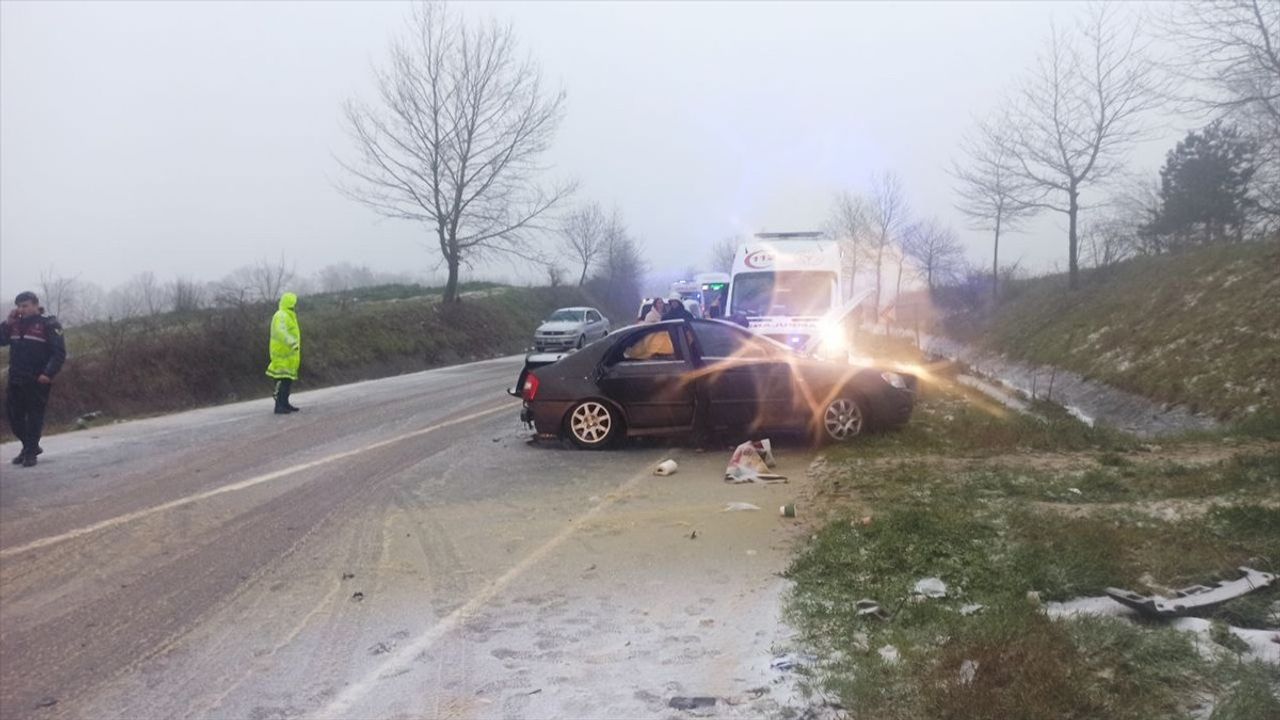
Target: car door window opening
column 717, row 342
column 657, row 345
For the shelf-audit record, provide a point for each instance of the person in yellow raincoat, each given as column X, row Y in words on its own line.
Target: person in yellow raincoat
column 286, row 352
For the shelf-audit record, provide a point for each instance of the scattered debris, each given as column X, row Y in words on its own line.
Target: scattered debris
column 790, row 662
column 665, row 468
column 47, row 702
column 357, row 596
column 889, row 654
column 788, row 510
column 348, row 575
column 691, row 703
column 972, row 608
column 1189, row 600
column 1075, row 491
column 867, row 606
column 590, row 567
column 931, row 587
column 381, row 648
column 968, row 671
column 747, row 466
column 1033, row 598
column 764, row 448
column 534, row 692
column 693, row 535
column 739, row 507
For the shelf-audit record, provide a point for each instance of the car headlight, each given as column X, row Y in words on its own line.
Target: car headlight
column 832, row 339
column 894, row 379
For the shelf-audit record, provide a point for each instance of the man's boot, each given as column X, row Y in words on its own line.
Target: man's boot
column 281, row 395
column 21, row 457
column 29, row 459
column 288, row 390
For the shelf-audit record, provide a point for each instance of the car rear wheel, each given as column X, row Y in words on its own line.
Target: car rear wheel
column 592, row 425
column 841, row 420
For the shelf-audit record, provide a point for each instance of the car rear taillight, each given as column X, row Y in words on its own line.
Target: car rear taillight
column 530, row 389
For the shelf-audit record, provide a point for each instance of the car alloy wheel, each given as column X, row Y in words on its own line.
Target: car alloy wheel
column 842, row 419
column 582, row 340
column 591, row 424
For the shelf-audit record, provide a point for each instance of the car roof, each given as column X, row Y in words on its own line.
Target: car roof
column 579, row 307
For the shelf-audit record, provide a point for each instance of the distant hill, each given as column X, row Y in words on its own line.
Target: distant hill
column 1199, row 328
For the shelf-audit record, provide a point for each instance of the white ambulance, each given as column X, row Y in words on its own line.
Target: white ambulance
column 785, row 285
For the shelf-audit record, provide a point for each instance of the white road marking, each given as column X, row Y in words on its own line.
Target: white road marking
column 243, row 484
column 340, row 707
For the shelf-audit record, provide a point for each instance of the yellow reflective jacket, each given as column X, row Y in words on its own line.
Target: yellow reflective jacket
column 286, row 340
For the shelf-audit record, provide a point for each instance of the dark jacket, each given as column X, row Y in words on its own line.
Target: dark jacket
column 36, row 347
column 677, row 313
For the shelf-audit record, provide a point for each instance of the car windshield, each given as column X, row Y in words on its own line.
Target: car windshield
column 796, row 293
column 566, row 316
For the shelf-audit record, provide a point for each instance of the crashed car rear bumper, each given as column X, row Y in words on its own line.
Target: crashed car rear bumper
column 545, row 417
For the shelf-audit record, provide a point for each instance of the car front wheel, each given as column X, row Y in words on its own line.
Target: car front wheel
column 841, row 420
column 592, row 425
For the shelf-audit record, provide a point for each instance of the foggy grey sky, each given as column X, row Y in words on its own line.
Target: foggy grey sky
column 191, row 138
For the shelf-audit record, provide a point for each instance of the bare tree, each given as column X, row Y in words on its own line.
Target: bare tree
column 186, row 295
column 344, row 276
column 887, row 215
column 1078, row 112
column 989, row 189
column 145, row 291
column 59, row 294
column 267, row 280
column 1229, row 54
column 1106, row 240
column 621, row 269
column 583, row 235
column 850, row 225
column 723, row 251
column 935, row 251
column 555, row 275
column 455, row 139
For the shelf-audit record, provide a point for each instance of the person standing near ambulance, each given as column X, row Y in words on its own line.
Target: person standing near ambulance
column 37, row 351
column 286, row 352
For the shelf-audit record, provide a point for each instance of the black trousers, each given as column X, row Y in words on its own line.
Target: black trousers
column 281, row 393
column 25, row 403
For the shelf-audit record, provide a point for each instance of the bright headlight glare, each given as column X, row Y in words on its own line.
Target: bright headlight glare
column 894, row 379
column 833, row 336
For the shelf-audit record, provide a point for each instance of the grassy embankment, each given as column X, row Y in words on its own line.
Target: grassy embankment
column 1012, row 513
column 1199, row 328
column 173, row 362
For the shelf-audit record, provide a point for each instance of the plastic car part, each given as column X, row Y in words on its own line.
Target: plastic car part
column 1190, row 600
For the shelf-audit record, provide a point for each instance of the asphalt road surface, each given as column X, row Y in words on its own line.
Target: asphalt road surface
column 397, row 550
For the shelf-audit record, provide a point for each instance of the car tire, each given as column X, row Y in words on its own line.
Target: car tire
column 582, row 340
column 593, row 424
column 842, row 418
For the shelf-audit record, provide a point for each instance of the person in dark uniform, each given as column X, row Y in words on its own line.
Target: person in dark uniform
column 676, row 309
column 36, row 354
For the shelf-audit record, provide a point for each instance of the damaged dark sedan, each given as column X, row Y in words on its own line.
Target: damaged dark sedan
column 685, row 376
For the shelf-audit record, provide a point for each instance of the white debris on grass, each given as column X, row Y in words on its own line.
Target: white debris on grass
column 931, row 587
column 889, row 654
column 739, row 507
column 1264, row 645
